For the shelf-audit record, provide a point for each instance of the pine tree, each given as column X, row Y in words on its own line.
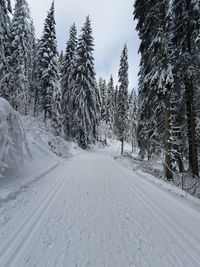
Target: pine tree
column 61, row 57
column 37, row 80
column 132, row 119
column 110, row 105
column 66, row 69
column 50, row 92
column 123, row 97
column 156, row 79
column 5, row 8
column 104, row 96
column 56, row 117
column 84, row 102
column 186, row 34
column 22, row 57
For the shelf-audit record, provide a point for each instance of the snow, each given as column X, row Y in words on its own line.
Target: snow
column 13, row 142
column 45, row 149
column 90, row 210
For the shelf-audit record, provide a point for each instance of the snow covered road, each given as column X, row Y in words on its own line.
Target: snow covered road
column 91, row 211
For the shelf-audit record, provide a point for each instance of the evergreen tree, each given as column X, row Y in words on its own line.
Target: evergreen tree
column 48, row 66
column 37, row 80
column 84, row 103
column 132, row 119
column 61, row 57
column 156, row 79
column 21, row 59
column 56, row 118
column 104, row 96
column 150, row 128
column 5, row 8
column 110, row 105
column 186, row 49
column 48, row 74
column 66, row 69
column 169, row 47
column 123, row 97
column 115, row 109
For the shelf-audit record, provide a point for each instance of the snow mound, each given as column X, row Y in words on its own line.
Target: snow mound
column 13, row 141
column 46, row 141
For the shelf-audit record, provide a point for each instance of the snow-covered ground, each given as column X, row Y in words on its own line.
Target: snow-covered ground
column 90, row 210
column 45, row 149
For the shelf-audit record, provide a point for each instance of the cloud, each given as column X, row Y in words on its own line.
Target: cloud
column 112, row 23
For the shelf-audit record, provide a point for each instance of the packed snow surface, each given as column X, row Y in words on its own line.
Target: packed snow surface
column 91, row 211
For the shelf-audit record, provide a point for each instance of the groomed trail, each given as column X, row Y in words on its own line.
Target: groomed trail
column 91, row 211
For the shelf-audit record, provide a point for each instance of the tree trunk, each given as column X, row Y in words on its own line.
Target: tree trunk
column 191, row 125
column 132, row 145
column 35, row 111
column 178, row 157
column 189, row 93
column 168, row 145
column 122, row 146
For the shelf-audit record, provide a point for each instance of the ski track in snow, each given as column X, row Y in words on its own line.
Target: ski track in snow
column 90, row 211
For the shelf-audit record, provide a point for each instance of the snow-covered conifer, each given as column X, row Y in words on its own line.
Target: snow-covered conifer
column 132, row 119
column 122, row 101
column 66, row 69
column 110, row 105
column 104, row 97
column 84, row 103
column 22, row 57
column 48, row 70
column 5, row 8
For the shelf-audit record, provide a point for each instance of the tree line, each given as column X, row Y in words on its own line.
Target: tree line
column 62, row 87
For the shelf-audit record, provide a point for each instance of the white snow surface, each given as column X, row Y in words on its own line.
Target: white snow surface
column 91, row 211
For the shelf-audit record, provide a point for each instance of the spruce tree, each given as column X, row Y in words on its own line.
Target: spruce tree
column 48, row 74
column 144, row 13
column 123, row 97
column 186, row 49
column 84, row 103
column 5, row 8
column 156, row 79
column 22, row 57
column 48, row 65
column 132, row 119
column 110, row 105
column 104, row 97
column 66, row 69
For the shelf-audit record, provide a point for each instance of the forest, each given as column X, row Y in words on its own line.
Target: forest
column 159, row 118
column 96, row 170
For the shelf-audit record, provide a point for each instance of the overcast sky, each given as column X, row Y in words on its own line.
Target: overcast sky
column 112, row 24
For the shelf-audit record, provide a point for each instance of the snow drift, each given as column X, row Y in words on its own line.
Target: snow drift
column 13, row 142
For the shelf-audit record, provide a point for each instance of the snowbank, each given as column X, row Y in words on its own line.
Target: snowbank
column 153, row 172
column 47, row 153
column 13, row 142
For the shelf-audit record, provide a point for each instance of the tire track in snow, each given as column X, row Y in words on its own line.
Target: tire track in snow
column 12, row 251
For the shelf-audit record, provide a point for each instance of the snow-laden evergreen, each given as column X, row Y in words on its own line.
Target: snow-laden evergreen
column 21, row 59
column 122, row 99
column 186, row 29
column 66, row 70
column 48, row 74
column 110, row 105
column 84, row 103
column 5, row 8
column 132, row 119
column 104, row 96
column 150, row 120
column 168, row 81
